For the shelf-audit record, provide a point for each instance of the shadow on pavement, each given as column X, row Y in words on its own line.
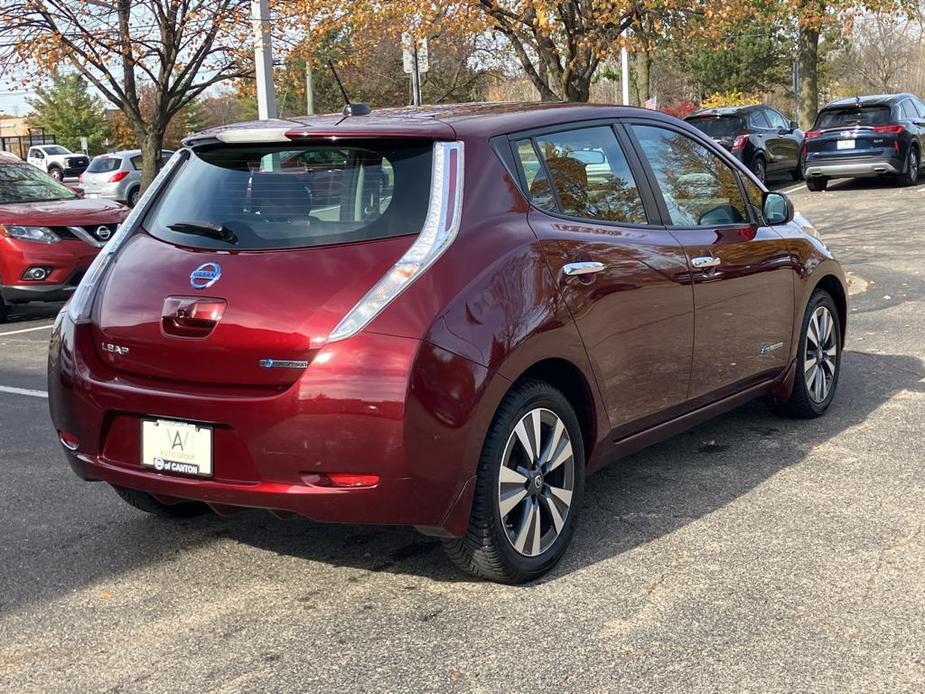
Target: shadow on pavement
column 21, row 313
column 629, row 503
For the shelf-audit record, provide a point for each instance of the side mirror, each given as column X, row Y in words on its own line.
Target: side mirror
column 777, row 208
column 794, row 125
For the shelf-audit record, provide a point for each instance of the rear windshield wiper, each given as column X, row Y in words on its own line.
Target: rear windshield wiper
column 213, row 231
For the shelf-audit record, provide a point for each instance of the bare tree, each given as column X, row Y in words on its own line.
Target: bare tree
column 181, row 47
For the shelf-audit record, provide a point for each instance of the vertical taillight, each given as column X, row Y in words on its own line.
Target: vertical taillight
column 440, row 227
column 739, row 143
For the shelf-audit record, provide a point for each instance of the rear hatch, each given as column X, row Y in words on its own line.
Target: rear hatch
column 723, row 129
column 851, row 132
column 239, row 272
column 99, row 174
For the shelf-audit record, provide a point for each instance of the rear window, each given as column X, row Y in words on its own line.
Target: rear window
column 844, row 117
column 104, row 165
column 718, row 126
column 294, row 197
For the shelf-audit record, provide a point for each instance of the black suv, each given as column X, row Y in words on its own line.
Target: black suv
column 759, row 136
column 866, row 136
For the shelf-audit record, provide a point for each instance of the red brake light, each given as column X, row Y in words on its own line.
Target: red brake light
column 810, row 134
column 118, row 176
column 889, row 129
column 739, row 143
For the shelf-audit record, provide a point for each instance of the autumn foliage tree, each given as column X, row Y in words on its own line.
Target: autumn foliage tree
column 179, row 47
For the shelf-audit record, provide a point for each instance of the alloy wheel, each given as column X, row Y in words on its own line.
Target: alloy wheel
column 820, row 354
column 536, row 482
column 758, row 168
column 913, row 166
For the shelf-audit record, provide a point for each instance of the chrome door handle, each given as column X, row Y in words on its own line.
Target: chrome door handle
column 705, row 261
column 571, row 269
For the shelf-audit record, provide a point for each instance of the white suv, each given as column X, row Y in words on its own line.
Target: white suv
column 57, row 161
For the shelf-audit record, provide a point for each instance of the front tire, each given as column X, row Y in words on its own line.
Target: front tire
column 817, row 185
column 529, row 487
column 147, row 503
column 56, row 173
column 818, row 359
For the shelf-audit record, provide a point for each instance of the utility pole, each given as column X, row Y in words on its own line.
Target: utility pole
column 263, row 60
column 309, row 89
column 625, row 75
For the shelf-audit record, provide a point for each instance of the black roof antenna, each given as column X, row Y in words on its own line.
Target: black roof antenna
column 350, row 109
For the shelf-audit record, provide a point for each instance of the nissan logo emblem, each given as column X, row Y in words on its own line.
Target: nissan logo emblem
column 103, row 233
column 205, row 275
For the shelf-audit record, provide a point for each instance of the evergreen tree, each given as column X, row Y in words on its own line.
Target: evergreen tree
column 750, row 61
column 66, row 109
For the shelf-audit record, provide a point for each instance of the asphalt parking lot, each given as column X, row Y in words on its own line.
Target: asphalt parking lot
column 750, row 554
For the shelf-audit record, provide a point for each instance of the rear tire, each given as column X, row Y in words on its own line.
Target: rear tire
column 760, row 168
column 817, row 185
column 818, row 360
column 147, row 503
column 523, row 518
column 910, row 176
column 4, row 310
column 133, row 196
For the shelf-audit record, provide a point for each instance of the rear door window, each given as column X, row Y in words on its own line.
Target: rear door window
column 293, row 196
column 756, row 119
column 698, row 187
column 776, row 120
column 589, row 174
column 853, row 116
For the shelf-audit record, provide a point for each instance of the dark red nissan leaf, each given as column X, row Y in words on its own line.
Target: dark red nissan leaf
column 443, row 317
column 48, row 235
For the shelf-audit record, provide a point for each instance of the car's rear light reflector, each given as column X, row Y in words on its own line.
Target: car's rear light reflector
column 889, row 129
column 341, row 479
column 118, row 176
column 739, row 143
column 810, row 134
column 69, row 441
column 440, row 227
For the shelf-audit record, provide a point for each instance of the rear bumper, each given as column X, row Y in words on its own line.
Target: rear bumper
column 852, row 169
column 364, row 413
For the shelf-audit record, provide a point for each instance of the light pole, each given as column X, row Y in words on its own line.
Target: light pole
column 263, row 60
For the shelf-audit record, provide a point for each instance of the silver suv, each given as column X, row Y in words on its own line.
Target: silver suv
column 116, row 176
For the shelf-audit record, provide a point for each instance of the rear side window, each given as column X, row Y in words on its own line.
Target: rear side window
column 589, row 174
column 722, row 126
column 699, row 188
column 845, row 117
column 289, row 196
column 104, row 165
column 908, row 110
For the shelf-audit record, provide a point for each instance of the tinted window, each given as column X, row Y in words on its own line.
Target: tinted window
column 756, row 119
column 57, row 149
column 920, row 107
column 25, row 183
column 851, row 116
column 776, row 120
column 538, row 187
column 718, row 126
column 270, row 198
column 908, row 110
column 104, row 165
column 591, row 176
column 699, row 188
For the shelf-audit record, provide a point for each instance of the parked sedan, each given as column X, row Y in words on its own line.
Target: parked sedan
column 116, row 176
column 759, row 136
column 48, row 235
column 866, row 136
column 503, row 299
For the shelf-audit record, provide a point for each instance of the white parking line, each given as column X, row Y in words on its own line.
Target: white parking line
column 24, row 391
column 794, row 189
column 28, row 330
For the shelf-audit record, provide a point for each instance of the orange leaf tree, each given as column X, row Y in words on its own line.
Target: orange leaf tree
column 179, row 48
column 558, row 44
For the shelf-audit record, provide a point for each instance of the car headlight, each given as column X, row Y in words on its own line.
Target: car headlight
column 36, row 234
